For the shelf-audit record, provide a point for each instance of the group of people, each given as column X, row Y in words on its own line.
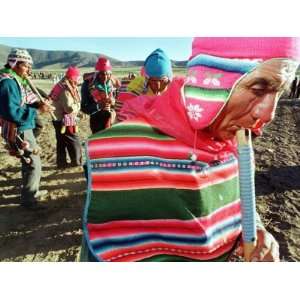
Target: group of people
column 47, row 75
column 20, row 110
column 162, row 168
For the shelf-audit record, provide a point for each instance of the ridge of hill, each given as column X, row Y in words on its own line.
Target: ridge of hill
column 55, row 59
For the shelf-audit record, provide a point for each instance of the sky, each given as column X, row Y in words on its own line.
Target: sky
column 124, row 49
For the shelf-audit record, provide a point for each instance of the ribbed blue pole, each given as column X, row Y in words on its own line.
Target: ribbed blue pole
column 247, row 192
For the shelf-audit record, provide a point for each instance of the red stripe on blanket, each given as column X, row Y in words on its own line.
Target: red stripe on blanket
column 135, row 146
column 150, row 179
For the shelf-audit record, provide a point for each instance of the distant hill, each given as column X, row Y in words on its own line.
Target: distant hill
column 44, row 59
column 4, row 50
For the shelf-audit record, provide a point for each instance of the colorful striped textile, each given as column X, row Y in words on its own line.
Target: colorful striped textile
column 61, row 86
column 147, row 201
column 124, row 84
column 8, row 131
column 69, row 120
column 28, row 97
column 56, row 90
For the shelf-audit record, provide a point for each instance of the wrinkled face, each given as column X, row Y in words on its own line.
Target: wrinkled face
column 104, row 76
column 74, row 81
column 254, row 99
column 158, row 84
column 23, row 69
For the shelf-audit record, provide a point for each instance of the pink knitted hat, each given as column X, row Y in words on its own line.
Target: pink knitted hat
column 247, row 47
column 217, row 63
column 73, row 73
column 103, row 65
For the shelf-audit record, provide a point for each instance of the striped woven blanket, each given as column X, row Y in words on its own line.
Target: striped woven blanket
column 147, row 201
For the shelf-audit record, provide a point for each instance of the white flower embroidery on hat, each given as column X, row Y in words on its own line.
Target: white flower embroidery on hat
column 194, row 111
column 212, row 79
column 192, row 77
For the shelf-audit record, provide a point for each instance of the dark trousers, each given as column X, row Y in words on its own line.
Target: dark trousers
column 31, row 173
column 67, row 142
column 100, row 120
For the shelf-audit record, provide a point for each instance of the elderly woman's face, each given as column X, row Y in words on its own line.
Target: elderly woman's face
column 254, row 99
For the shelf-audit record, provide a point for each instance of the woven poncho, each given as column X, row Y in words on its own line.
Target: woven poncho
column 147, row 201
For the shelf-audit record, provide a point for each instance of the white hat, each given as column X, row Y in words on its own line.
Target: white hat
column 18, row 55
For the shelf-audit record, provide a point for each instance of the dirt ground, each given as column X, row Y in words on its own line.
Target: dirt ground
column 55, row 234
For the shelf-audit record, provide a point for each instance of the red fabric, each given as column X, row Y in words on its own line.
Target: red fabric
column 167, row 113
column 103, row 64
column 123, row 96
column 56, row 90
column 73, row 73
column 71, row 129
column 98, row 96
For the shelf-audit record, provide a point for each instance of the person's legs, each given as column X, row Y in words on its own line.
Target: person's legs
column 106, row 119
column 74, row 148
column 297, row 93
column 31, row 173
column 61, row 154
column 98, row 120
column 94, row 122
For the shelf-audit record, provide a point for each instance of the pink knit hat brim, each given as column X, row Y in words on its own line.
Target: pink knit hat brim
column 248, row 47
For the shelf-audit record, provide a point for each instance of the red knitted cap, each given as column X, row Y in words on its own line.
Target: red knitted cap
column 73, row 73
column 103, row 64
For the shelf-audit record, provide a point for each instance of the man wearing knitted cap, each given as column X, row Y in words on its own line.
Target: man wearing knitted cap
column 157, row 75
column 155, row 78
column 18, row 105
column 177, row 197
column 97, row 93
column 66, row 100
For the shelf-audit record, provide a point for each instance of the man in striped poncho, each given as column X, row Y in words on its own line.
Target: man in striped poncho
column 163, row 185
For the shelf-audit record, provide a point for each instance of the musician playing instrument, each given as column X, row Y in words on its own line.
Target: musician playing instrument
column 18, row 106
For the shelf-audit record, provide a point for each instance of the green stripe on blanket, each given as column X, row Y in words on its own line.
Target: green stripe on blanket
column 130, row 130
column 150, row 204
column 174, row 258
